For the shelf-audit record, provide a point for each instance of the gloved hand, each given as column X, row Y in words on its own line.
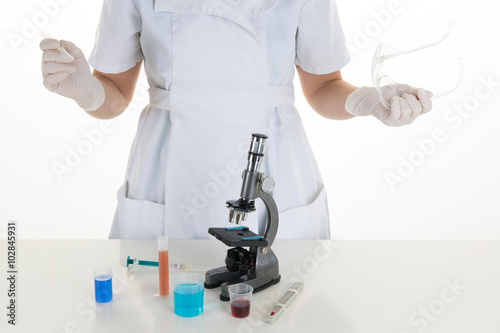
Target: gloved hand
column 404, row 110
column 66, row 72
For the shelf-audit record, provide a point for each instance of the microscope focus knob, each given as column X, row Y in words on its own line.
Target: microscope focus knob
column 267, row 184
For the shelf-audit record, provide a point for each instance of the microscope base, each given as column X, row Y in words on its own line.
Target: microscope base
column 264, row 273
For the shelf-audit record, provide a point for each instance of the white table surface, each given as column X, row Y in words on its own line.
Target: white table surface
column 350, row 286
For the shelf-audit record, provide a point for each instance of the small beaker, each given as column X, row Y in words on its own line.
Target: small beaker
column 102, row 283
column 240, row 296
column 188, row 294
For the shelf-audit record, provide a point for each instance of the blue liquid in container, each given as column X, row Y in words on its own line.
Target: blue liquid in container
column 103, row 288
column 188, row 299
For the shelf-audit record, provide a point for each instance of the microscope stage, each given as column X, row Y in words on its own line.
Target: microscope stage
column 236, row 237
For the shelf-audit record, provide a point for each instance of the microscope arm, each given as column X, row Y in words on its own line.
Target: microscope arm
column 272, row 215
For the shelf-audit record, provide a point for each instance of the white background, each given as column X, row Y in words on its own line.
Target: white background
column 451, row 193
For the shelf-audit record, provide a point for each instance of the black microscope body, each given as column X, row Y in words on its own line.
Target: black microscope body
column 257, row 266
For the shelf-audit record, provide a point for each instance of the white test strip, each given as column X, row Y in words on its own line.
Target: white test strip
column 46, row 34
column 284, row 302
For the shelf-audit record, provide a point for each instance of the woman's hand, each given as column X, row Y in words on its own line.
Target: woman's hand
column 66, row 72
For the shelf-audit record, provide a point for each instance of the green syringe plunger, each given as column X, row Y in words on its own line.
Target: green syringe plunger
column 135, row 261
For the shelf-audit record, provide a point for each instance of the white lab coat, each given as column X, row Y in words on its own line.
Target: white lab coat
column 219, row 70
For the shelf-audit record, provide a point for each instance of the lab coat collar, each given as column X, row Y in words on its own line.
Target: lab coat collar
column 234, row 10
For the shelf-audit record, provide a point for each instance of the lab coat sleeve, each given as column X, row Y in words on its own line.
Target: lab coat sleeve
column 117, row 46
column 320, row 41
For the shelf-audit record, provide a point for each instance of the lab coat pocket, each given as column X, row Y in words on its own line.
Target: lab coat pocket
column 139, row 218
column 306, row 222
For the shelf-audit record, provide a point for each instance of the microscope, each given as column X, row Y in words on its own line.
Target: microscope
column 257, row 266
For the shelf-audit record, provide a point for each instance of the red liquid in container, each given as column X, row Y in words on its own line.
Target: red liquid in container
column 163, row 268
column 240, row 308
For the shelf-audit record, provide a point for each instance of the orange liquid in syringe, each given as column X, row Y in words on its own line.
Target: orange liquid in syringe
column 163, row 268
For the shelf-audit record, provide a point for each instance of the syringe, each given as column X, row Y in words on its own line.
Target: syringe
column 133, row 263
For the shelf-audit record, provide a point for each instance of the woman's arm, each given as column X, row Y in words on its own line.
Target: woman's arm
column 326, row 94
column 119, row 90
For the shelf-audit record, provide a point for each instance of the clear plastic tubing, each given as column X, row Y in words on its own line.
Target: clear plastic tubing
column 163, row 265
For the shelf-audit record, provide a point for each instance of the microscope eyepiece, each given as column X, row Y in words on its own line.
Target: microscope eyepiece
column 256, row 152
column 258, row 144
column 259, row 136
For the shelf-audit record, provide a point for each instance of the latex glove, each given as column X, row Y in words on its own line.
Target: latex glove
column 404, row 109
column 66, row 72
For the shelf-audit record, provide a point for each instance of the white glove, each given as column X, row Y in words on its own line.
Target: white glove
column 66, row 72
column 404, row 109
